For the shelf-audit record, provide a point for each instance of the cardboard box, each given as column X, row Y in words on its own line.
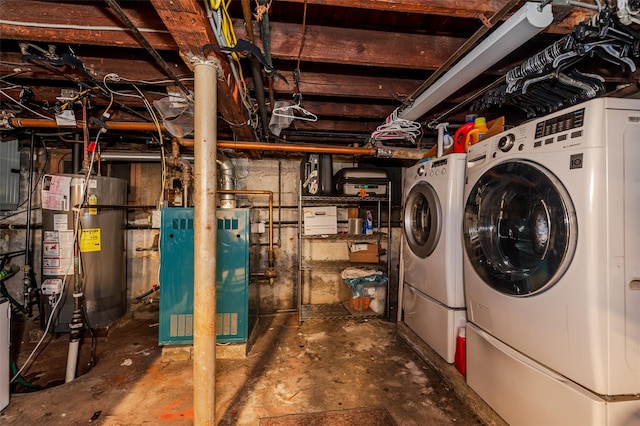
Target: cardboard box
column 364, row 252
column 320, row 220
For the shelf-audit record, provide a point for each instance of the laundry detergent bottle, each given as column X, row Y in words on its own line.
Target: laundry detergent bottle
column 460, row 136
column 474, row 135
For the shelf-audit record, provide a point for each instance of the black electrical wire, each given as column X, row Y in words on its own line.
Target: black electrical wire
column 125, row 19
column 87, row 86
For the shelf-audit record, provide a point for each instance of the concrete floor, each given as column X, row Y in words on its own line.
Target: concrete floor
column 321, row 365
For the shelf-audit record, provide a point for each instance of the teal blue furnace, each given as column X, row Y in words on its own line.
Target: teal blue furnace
column 235, row 312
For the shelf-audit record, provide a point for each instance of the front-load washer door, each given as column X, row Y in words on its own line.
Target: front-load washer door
column 520, row 228
column 422, row 219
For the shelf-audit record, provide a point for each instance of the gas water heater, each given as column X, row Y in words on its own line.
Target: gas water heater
column 101, row 249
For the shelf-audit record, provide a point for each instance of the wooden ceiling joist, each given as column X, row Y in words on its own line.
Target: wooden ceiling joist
column 188, row 25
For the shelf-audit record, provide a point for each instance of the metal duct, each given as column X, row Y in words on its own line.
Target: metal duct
column 226, row 181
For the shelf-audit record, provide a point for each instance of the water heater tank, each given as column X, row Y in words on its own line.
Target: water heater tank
column 101, row 248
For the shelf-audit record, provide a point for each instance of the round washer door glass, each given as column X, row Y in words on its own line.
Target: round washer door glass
column 520, row 228
column 422, row 219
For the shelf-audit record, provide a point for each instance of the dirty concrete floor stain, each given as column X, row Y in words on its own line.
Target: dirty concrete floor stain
column 322, row 365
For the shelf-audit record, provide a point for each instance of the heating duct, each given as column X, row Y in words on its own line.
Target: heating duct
column 226, row 181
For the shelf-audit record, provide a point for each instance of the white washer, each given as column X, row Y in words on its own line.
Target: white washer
column 552, row 267
column 433, row 294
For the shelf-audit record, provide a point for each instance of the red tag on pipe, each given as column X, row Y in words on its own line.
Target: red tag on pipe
column 91, row 147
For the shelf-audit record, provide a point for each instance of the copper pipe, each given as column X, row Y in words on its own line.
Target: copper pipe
column 184, row 142
column 270, row 272
column 320, row 149
column 246, row 11
column 175, row 151
column 247, row 145
column 85, row 136
column 136, row 126
column 260, row 146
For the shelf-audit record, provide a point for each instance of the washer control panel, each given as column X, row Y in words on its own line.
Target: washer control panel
column 433, row 168
column 505, row 143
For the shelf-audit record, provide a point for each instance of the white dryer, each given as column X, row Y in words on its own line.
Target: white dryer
column 433, row 294
column 552, row 267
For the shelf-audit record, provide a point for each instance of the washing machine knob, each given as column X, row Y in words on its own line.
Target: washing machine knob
column 421, row 171
column 506, row 142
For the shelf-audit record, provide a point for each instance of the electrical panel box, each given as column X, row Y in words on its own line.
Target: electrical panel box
column 9, row 175
column 234, row 320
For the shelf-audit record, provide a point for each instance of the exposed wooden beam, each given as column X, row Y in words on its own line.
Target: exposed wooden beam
column 322, row 44
column 467, row 9
column 335, row 126
column 91, row 23
column 346, row 86
column 348, row 110
column 357, row 47
column 84, row 19
column 125, row 66
column 189, row 27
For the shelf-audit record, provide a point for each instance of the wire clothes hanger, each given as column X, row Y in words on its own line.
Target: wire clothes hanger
column 295, row 111
column 550, row 80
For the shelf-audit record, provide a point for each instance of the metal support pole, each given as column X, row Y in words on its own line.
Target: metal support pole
column 205, row 230
column 27, row 281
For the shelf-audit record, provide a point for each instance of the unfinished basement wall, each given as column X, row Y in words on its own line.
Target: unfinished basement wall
column 143, row 259
column 13, row 223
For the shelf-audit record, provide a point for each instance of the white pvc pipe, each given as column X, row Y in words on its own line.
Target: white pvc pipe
column 72, row 361
column 440, row 127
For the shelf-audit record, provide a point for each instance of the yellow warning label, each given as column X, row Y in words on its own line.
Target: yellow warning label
column 90, row 240
column 93, row 200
